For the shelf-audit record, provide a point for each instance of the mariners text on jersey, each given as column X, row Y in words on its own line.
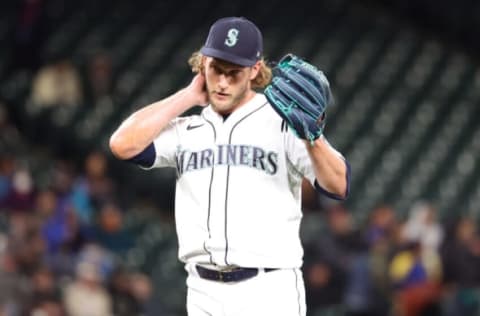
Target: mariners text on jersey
column 227, row 155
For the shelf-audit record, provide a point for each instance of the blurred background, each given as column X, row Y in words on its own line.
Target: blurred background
column 83, row 234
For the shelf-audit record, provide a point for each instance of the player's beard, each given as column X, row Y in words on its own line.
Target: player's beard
column 232, row 102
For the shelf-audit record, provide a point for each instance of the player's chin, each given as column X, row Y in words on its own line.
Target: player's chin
column 222, row 109
column 221, row 104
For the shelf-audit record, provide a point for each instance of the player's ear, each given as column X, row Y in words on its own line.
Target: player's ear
column 255, row 69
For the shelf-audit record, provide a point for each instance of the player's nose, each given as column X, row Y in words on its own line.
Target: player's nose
column 222, row 81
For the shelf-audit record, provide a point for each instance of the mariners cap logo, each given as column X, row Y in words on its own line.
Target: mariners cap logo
column 232, row 37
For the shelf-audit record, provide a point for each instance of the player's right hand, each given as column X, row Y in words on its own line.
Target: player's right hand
column 198, row 90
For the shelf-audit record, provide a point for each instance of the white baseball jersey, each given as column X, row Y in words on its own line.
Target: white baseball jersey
column 238, row 191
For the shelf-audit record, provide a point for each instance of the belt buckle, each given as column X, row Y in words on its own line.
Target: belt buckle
column 228, row 269
column 225, row 270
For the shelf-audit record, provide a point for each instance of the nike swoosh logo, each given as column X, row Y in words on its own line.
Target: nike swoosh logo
column 189, row 127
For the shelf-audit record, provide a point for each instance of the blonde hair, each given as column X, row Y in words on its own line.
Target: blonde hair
column 260, row 81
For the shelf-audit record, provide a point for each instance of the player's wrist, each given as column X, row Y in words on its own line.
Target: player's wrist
column 185, row 100
column 193, row 98
column 315, row 143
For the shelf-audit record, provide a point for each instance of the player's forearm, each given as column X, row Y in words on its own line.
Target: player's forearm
column 330, row 168
column 142, row 127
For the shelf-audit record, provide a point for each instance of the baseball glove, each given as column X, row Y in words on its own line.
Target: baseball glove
column 300, row 94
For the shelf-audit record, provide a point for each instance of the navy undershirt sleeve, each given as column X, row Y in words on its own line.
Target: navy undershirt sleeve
column 332, row 195
column 146, row 158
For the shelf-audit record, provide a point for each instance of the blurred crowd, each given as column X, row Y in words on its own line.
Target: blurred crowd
column 64, row 241
column 417, row 265
column 62, row 236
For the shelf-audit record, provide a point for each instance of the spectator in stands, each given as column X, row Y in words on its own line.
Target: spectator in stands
column 92, row 188
column 20, row 191
column 44, row 283
column 99, row 77
column 65, row 238
column 47, row 307
column 62, row 229
column 141, row 288
column 86, row 296
column 361, row 293
column 60, row 261
column 382, row 234
column 381, row 223
column 323, row 281
column 14, row 286
column 109, row 232
column 461, row 261
column 104, row 260
column 65, row 233
column 422, row 227
column 7, row 167
column 416, row 293
column 11, row 145
column 45, row 293
column 331, row 262
column 122, row 299
column 57, row 84
column 45, row 204
column 125, row 303
column 10, row 140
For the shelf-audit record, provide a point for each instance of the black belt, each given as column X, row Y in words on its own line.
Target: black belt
column 234, row 275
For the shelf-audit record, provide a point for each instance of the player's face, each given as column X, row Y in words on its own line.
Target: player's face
column 228, row 85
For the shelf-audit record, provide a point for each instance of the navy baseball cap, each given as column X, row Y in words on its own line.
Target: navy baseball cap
column 236, row 40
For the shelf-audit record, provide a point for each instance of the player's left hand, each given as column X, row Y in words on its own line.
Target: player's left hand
column 300, row 94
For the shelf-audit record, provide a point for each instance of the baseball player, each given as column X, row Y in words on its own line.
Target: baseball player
column 240, row 165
